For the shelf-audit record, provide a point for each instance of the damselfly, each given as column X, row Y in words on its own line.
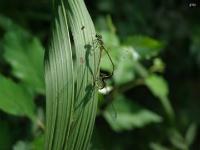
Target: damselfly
column 98, row 43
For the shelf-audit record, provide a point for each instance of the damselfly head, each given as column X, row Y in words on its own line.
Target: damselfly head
column 98, row 36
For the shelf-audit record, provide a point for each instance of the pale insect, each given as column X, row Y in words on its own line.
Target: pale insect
column 101, row 81
column 100, row 44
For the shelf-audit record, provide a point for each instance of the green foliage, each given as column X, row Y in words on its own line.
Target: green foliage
column 124, row 71
column 145, row 46
column 157, row 85
column 15, row 99
column 159, row 88
column 129, row 115
column 21, row 146
column 155, row 146
column 36, row 144
column 128, row 66
column 24, row 53
column 190, row 134
column 152, row 100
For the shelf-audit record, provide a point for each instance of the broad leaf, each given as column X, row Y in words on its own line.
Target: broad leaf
column 177, row 140
column 129, row 115
column 124, row 71
column 159, row 87
column 111, row 45
column 25, row 54
column 110, row 39
column 14, row 99
column 190, row 134
column 145, row 46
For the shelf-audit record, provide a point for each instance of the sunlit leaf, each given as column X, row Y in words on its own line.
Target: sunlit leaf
column 145, row 46
column 110, row 39
column 124, row 71
column 111, row 45
column 159, row 87
column 129, row 115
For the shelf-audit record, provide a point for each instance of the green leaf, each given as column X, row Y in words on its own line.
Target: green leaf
column 177, row 140
column 71, row 96
column 111, row 44
column 110, row 39
column 21, row 145
column 25, row 54
column 190, row 134
column 124, row 71
column 158, row 65
column 156, row 146
column 15, row 100
column 129, row 115
column 38, row 143
column 159, row 87
column 145, row 46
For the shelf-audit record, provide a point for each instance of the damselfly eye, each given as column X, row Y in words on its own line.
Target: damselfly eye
column 98, row 36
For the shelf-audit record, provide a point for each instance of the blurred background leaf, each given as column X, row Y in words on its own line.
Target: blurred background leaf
column 145, row 46
column 24, row 53
column 129, row 115
column 15, row 99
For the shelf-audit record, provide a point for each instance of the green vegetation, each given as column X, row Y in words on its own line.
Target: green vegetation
column 151, row 101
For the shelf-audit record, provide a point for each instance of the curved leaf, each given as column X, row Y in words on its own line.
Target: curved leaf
column 71, row 96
